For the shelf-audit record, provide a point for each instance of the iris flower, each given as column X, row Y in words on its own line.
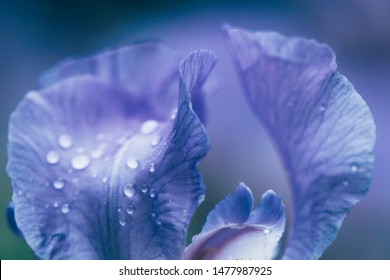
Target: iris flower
column 104, row 155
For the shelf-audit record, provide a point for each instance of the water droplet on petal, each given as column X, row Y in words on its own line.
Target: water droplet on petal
column 158, row 221
column 144, row 189
column 354, row 167
column 153, row 213
column 65, row 208
column 104, row 179
column 52, row 157
column 173, row 114
column 152, row 168
column 130, row 210
column 155, row 140
column 80, row 162
column 149, row 126
column 121, row 140
column 129, row 190
column 98, row 153
column 122, row 221
column 58, row 184
column 132, row 163
column 56, row 204
column 119, row 209
column 267, row 231
column 152, row 193
column 322, row 107
column 65, row 141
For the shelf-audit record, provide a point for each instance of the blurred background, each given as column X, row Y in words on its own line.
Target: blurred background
column 37, row 34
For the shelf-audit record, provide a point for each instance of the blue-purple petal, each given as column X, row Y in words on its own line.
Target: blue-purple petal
column 323, row 128
column 270, row 212
column 70, row 160
column 232, row 210
column 148, row 67
column 165, row 199
column 233, row 232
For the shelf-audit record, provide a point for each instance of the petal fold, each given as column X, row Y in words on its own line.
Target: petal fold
column 101, row 170
column 323, row 129
column 233, row 232
column 175, row 188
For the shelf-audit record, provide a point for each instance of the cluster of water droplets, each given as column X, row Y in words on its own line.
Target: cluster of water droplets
column 148, row 128
column 79, row 161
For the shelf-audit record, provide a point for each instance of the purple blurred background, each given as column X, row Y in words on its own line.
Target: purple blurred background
column 35, row 35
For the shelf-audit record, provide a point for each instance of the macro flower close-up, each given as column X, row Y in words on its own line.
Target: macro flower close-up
column 157, row 148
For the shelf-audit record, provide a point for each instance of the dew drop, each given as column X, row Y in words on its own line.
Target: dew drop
column 65, row 208
column 52, row 157
column 153, row 213
column 152, row 193
column 80, row 162
column 104, row 179
column 121, row 140
column 58, row 184
column 129, row 190
column 354, row 167
column 122, row 221
column 144, row 189
column 65, row 141
column 322, row 107
column 119, row 209
column 158, row 221
column 56, row 204
column 149, row 126
column 267, row 231
column 130, row 210
column 132, row 163
column 173, row 114
column 152, row 168
column 155, row 140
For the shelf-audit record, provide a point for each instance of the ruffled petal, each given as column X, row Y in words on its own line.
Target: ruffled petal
column 67, row 144
column 269, row 213
column 239, row 234
column 323, row 128
column 232, row 210
column 148, row 67
column 165, row 200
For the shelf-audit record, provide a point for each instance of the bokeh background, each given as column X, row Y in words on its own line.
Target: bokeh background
column 37, row 34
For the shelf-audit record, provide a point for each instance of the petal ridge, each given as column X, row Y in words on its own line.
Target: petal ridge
column 322, row 127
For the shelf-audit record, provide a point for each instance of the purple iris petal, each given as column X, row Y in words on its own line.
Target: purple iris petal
column 323, row 128
column 145, row 68
column 101, row 168
column 232, row 231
